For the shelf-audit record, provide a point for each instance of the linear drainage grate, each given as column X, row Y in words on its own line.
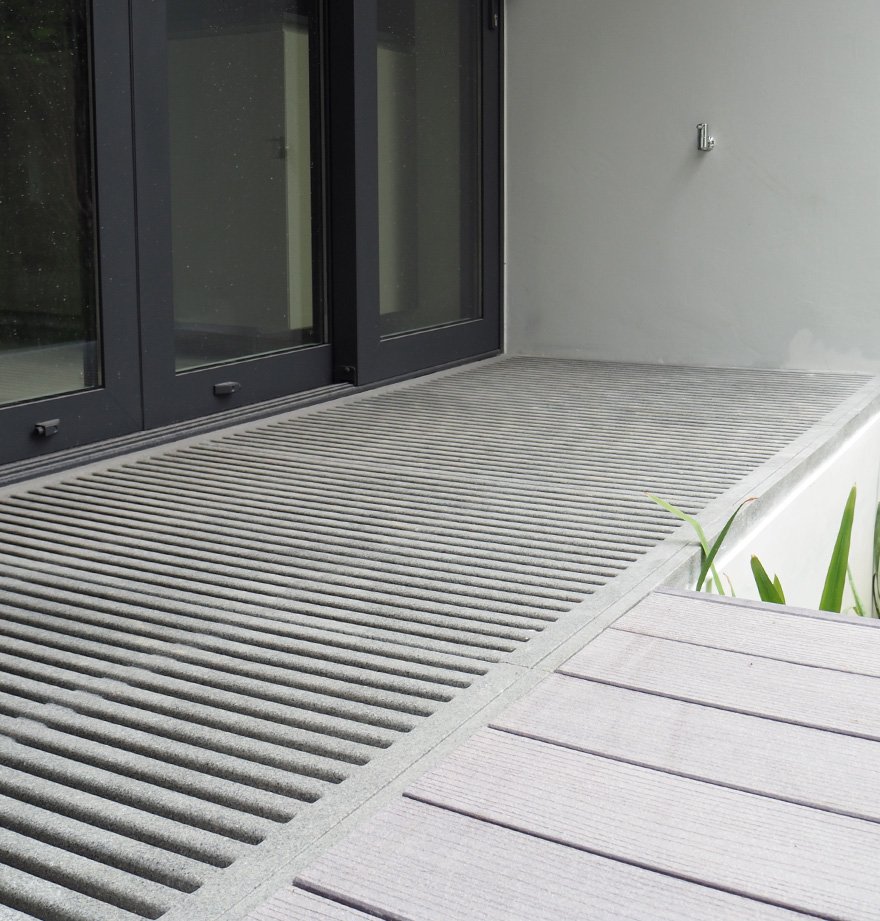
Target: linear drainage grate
column 198, row 644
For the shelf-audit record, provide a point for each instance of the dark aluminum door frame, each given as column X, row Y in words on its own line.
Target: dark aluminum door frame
column 141, row 389
column 114, row 408
column 171, row 396
column 361, row 355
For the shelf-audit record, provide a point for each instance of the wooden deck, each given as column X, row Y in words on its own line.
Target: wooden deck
column 702, row 759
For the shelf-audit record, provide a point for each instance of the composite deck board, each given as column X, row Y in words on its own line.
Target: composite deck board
column 841, row 644
column 418, row 863
column 298, row 905
column 789, row 855
column 821, row 698
column 777, row 759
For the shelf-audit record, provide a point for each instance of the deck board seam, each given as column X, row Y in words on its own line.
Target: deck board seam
column 841, row 620
column 337, row 898
column 634, row 762
column 618, row 627
column 716, row 706
column 598, row 852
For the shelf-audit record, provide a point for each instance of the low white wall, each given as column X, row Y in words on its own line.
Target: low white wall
column 794, row 539
column 626, row 243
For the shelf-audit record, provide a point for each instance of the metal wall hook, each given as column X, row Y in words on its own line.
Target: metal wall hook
column 704, row 142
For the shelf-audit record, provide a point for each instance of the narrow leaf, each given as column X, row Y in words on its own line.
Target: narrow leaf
column 859, row 607
column 835, row 579
column 683, row 516
column 778, row 586
column 877, row 538
column 875, row 597
column 766, row 589
column 701, row 536
column 716, row 546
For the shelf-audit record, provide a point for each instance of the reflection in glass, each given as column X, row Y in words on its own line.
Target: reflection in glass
column 48, row 288
column 429, row 162
column 243, row 177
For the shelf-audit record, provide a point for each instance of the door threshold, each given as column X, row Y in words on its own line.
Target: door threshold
column 86, row 454
column 48, row 465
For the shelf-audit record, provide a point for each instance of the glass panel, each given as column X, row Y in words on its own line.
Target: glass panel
column 48, row 287
column 429, row 162
column 243, row 178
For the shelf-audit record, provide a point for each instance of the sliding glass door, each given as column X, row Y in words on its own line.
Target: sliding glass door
column 66, row 227
column 48, row 244
column 428, row 71
column 426, row 166
column 211, row 203
column 240, row 101
column 230, row 166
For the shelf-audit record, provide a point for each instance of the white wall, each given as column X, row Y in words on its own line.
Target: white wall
column 795, row 538
column 626, row 243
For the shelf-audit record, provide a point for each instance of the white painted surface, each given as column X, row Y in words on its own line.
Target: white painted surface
column 794, row 539
column 626, row 243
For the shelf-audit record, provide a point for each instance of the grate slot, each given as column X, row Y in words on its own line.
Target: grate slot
column 154, row 864
column 43, row 899
column 116, row 646
column 170, row 676
column 83, row 875
column 33, row 754
column 282, row 526
column 402, row 656
column 128, row 634
column 451, row 631
column 58, row 730
column 106, row 814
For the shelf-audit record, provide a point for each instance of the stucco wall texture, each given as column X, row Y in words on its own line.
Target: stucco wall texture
column 627, row 243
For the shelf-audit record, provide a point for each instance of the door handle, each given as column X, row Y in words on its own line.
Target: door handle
column 47, row 429
column 226, row 388
column 494, row 14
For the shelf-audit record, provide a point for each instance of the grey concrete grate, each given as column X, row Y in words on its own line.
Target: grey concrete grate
column 199, row 643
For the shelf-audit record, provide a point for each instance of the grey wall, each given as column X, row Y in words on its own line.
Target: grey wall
column 626, row 243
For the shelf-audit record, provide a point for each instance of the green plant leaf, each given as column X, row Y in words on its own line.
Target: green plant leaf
column 877, row 538
column 857, row 606
column 875, row 579
column 709, row 558
column 675, row 510
column 698, row 530
column 778, row 586
column 769, row 591
column 835, row 579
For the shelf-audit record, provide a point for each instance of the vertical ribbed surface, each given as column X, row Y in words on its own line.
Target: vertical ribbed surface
column 198, row 644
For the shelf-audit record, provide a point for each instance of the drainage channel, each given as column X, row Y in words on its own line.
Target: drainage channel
column 197, row 644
